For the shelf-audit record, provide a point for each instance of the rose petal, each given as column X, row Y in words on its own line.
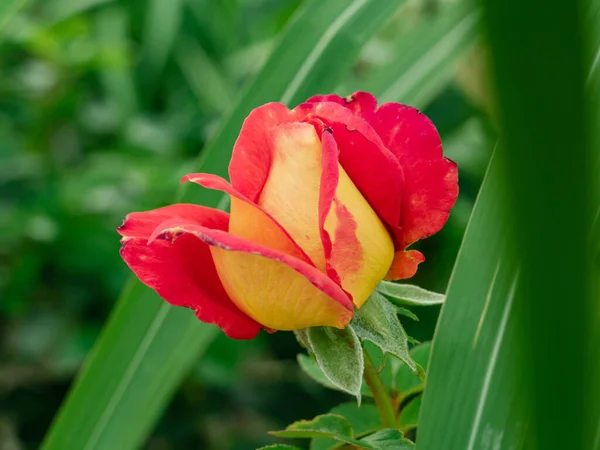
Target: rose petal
column 404, row 265
column 372, row 167
column 361, row 103
column 327, row 189
column 141, row 224
column 361, row 247
column 291, row 192
column 277, row 290
column 183, row 272
column 250, row 221
column 430, row 180
column 253, row 149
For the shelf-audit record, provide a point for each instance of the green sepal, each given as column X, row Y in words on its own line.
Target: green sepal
column 377, row 321
column 408, row 313
column 339, row 355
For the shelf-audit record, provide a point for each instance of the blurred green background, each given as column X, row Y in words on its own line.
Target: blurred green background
column 104, row 105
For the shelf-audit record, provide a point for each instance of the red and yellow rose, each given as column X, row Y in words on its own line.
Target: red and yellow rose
column 325, row 201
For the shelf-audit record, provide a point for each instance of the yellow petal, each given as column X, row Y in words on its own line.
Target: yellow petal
column 291, row 193
column 276, row 295
column 248, row 220
column 362, row 247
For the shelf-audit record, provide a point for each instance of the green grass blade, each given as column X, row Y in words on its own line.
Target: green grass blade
column 200, row 71
column 8, row 8
column 116, row 60
column 423, row 58
column 510, row 361
column 537, row 66
column 58, row 10
column 471, row 376
column 161, row 26
column 148, row 346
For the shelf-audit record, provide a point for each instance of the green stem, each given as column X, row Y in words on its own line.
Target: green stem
column 380, row 394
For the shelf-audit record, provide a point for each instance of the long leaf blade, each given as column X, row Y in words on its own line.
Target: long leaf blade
column 423, row 58
column 479, row 348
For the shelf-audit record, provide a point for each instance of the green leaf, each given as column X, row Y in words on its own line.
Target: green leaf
column 8, row 8
column 129, row 363
column 326, row 425
column 364, row 419
column 339, row 356
column 409, row 416
column 302, row 338
column 140, row 350
column 477, row 345
column 389, row 439
column 161, row 25
column 409, row 295
column 280, row 447
column 312, row 369
column 386, row 439
column 58, row 10
column 377, row 321
column 116, row 61
column 325, row 444
column 487, row 324
column 473, row 349
column 423, row 58
column 200, row 71
column 407, row 313
column 405, row 379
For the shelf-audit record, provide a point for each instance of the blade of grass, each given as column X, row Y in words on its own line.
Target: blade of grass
column 471, row 361
column 147, row 347
column 538, row 63
column 115, row 71
column 500, row 347
column 58, row 10
column 8, row 8
column 423, row 58
column 201, row 73
column 161, row 26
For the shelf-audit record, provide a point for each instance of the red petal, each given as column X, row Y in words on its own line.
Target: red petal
column 252, row 152
column 361, row 103
column 329, row 184
column 373, row 168
column 267, row 292
column 142, row 224
column 183, row 272
column 404, row 265
column 431, row 181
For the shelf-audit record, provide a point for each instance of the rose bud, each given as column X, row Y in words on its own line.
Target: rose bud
column 325, row 201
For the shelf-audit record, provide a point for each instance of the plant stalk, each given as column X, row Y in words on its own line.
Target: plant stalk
column 380, row 394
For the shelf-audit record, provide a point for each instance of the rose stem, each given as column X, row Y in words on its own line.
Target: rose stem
column 380, row 395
